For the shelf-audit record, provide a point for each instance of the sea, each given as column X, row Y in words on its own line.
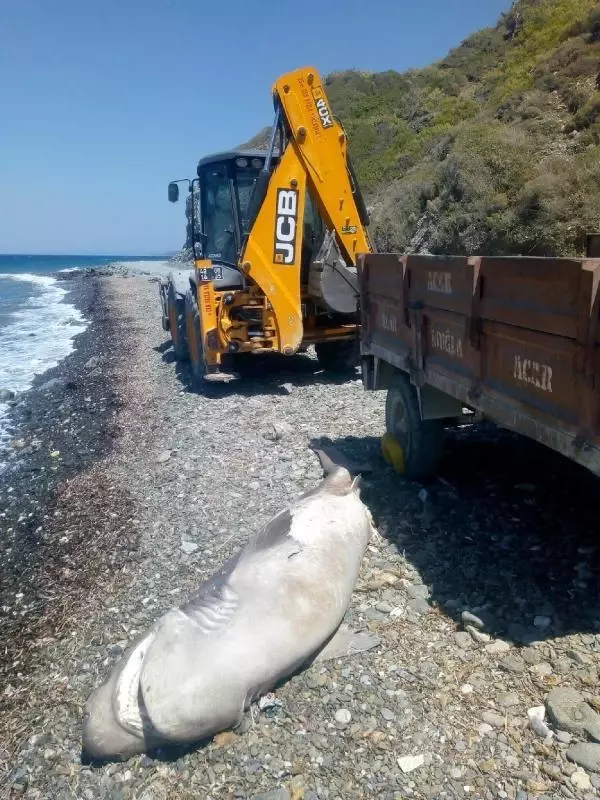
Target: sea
column 37, row 323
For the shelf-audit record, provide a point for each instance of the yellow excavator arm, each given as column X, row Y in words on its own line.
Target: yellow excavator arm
column 320, row 143
column 314, row 158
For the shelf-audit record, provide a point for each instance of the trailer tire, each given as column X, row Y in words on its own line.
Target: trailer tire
column 194, row 338
column 177, row 329
column 412, row 445
column 339, row 357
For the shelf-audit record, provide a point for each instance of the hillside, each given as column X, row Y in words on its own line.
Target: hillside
column 493, row 149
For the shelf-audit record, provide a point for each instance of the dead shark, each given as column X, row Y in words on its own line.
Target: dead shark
column 272, row 608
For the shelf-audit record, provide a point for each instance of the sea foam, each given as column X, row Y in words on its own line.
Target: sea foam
column 38, row 336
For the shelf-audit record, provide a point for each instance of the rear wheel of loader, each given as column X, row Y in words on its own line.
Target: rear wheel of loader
column 413, row 446
column 194, row 338
column 177, row 324
column 339, row 357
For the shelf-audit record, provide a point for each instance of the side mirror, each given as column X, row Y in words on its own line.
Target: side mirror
column 173, row 193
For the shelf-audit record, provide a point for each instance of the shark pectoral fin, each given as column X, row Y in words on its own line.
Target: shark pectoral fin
column 347, row 642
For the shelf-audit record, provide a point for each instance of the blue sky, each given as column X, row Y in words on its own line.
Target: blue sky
column 104, row 102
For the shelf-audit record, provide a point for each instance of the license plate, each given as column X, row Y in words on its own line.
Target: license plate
column 210, row 273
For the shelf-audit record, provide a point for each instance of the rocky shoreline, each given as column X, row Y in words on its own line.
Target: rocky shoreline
column 483, row 585
column 61, row 426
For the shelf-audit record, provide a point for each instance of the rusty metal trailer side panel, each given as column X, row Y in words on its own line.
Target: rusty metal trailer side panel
column 515, row 338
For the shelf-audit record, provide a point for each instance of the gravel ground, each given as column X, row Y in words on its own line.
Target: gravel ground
column 483, row 587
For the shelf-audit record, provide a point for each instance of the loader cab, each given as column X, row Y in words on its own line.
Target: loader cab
column 226, row 182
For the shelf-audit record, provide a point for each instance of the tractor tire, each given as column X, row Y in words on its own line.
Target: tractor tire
column 412, row 445
column 177, row 324
column 164, row 314
column 194, row 339
column 339, row 357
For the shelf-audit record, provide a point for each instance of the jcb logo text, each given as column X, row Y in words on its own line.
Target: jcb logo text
column 324, row 112
column 285, row 226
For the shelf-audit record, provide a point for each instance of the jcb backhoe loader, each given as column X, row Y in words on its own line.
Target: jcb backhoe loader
column 275, row 237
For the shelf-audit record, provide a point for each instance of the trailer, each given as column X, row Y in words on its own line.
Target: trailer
column 455, row 339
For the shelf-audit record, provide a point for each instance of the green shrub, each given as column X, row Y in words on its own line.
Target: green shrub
column 588, row 114
column 576, row 96
column 588, row 27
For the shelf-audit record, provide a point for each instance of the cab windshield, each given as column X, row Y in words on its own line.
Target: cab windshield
column 225, row 194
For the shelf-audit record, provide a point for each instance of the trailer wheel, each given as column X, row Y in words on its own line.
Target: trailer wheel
column 339, row 357
column 177, row 324
column 194, row 338
column 412, row 445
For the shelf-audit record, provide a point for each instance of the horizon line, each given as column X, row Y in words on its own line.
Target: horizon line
column 110, row 255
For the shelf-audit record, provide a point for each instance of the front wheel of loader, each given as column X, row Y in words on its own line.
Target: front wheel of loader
column 177, row 329
column 162, row 295
column 194, row 338
column 412, row 445
column 339, row 357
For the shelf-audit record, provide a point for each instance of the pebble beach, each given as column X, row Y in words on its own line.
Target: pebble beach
column 125, row 488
